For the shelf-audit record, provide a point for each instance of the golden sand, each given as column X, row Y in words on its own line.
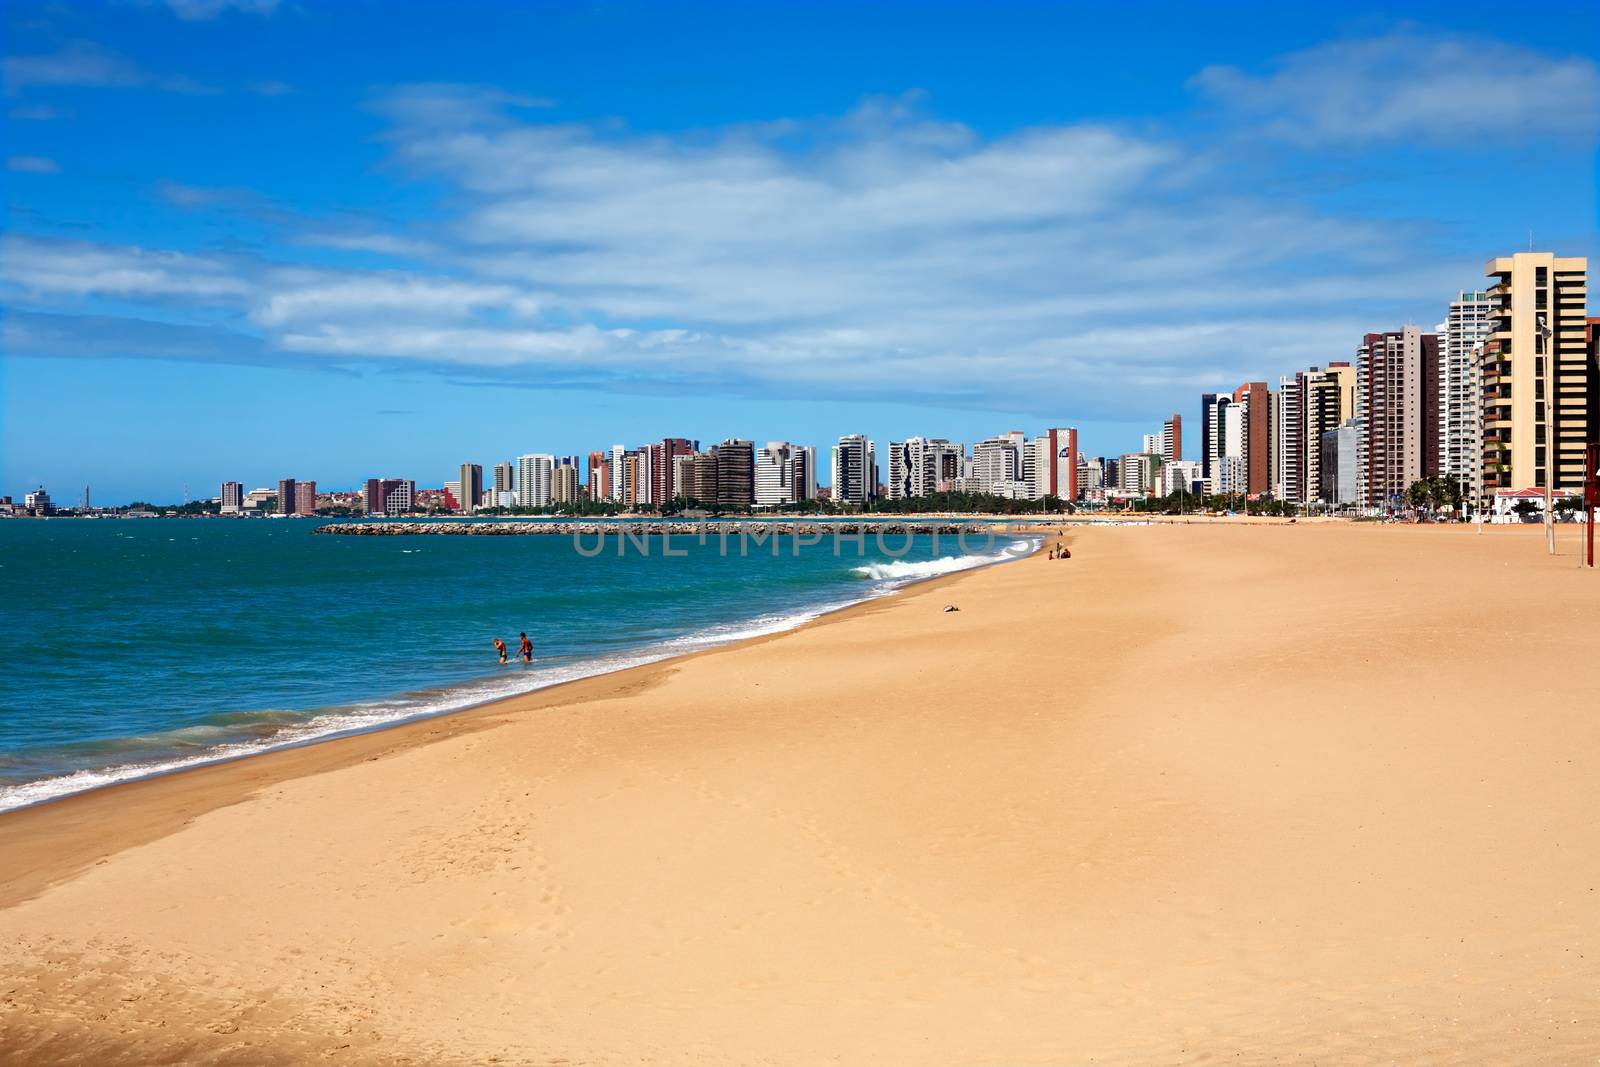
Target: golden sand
column 1230, row 793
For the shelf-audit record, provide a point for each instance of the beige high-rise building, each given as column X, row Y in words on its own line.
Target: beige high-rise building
column 1326, row 402
column 1535, row 417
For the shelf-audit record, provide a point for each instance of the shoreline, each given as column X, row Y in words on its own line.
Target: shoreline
column 87, row 806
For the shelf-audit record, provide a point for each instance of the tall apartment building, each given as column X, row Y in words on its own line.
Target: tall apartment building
column 1055, row 467
column 805, row 473
column 1091, row 473
column 1536, row 388
column 305, row 498
column 564, row 482
column 1256, row 413
column 470, row 488
column 1288, row 425
column 232, row 498
column 1151, row 444
column 534, row 472
column 1327, row 400
column 287, row 498
column 1227, row 424
column 1137, row 472
column 388, row 496
column 663, row 462
column 1172, row 438
column 505, row 480
column 1398, row 376
column 913, row 467
column 618, row 468
column 1338, row 467
column 855, row 470
column 702, row 486
column 599, row 476
column 682, row 476
column 1236, row 434
column 1003, row 466
column 736, row 474
column 783, row 474
column 1461, row 334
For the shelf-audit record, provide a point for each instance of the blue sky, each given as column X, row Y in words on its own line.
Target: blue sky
column 249, row 240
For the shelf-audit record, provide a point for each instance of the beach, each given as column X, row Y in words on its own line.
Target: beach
column 1243, row 792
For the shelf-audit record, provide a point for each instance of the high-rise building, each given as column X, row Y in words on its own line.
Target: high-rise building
column 388, row 496
column 564, row 482
column 1151, row 444
column 470, row 488
column 1256, row 414
column 1326, row 399
column 782, row 474
column 599, row 476
column 1288, row 428
column 855, row 470
column 1398, row 376
column 1136, row 471
column 1227, row 424
column 1461, row 335
column 505, row 481
column 1054, row 471
column 1207, row 402
column 683, row 476
column 662, row 465
column 1181, row 475
column 1172, row 438
column 1001, row 466
column 287, row 500
column 232, row 498
column 1535, row 381
column 1337, row 469
column 736, row 474
column 1092, row 473
column 703, row 478
column 534, row 472
column 305, row 498
column 915, row 465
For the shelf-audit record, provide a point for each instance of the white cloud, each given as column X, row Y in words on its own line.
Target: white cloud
column 89, row 65
column 32, row 165
column 201, row 10
column 74, row 269
column 1413, row 86
column 879, row 253
column 299, row 297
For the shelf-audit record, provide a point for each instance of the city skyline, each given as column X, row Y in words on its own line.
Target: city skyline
column 309, row 249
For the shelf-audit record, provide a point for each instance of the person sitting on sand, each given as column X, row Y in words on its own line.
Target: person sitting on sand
column 500, row 647
column 525, row 650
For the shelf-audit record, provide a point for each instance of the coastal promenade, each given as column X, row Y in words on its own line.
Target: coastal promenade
column 1220, row 792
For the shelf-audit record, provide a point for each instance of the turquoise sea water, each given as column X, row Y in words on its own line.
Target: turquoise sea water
column 141, row 646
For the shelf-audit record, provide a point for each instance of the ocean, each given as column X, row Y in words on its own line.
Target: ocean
column 138, row 647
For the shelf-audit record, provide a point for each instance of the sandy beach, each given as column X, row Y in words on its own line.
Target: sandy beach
column 1245, row 793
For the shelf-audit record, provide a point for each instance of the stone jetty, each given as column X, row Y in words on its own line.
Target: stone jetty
column 686, row 528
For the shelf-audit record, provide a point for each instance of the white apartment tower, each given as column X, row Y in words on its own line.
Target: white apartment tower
column 855, row 470
column 533, row 479
column 783, row 474
column 1460, row 336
